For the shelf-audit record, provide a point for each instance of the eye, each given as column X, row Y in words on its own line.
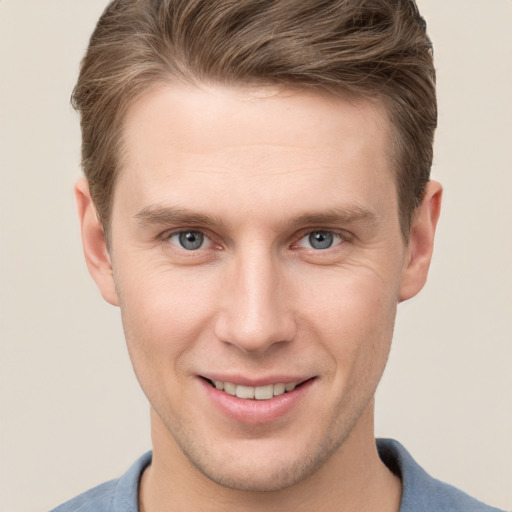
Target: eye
column 320, row 240
column 189, row 240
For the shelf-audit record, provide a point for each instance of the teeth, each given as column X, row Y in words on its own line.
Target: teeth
column 264, row 392
column 258, row 392
column 230, row 388
column 279, row 389
column 245, row 392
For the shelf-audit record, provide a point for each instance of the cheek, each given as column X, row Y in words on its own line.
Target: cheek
column 352, row 297
column 164, row 313
column 354, row 315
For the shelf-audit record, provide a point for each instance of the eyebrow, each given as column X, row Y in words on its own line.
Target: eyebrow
column 174, row 215
column 159, row 215
column 345, row 214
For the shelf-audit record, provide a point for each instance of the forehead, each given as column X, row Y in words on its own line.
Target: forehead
column 209, row 117
column 258, row 145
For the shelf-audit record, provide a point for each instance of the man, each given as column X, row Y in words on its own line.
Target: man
column 257, row 202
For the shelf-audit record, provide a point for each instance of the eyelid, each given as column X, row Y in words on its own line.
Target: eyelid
column 344, row 235
column 168, row 234
column 303, row 233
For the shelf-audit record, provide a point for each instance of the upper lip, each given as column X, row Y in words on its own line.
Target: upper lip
column 255, row 381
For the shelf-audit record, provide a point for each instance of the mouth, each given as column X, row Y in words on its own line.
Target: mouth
column 255, row 392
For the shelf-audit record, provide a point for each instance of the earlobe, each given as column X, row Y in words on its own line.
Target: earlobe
column 421, row 242
column 95, row 249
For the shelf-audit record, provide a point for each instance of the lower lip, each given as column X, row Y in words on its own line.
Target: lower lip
column 256, row 412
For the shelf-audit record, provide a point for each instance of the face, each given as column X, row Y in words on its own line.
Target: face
column 258, row 262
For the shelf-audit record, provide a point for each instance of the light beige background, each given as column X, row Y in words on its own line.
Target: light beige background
column 71, row 413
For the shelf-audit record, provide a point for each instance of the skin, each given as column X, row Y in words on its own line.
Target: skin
column 257, row 171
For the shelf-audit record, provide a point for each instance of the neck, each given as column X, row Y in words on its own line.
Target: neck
column 352, row 479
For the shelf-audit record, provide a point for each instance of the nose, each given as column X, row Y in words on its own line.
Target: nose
column 255, row 310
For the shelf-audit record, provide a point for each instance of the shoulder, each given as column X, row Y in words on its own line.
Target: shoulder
column 420, row 490
column 99, row 499
column 119, row 495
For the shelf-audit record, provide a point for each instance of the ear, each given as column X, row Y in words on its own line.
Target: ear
column 421, row 242
column 94, row 244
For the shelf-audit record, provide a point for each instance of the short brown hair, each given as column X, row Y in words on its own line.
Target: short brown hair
column 365, row 48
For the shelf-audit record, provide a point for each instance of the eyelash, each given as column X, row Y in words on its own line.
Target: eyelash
column 168, row 235
column 342, row 237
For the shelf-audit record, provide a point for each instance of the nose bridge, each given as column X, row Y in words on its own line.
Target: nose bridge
column 255, row 315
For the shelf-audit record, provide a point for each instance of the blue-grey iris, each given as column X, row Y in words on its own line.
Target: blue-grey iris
column 321, row 239
column 191, row 240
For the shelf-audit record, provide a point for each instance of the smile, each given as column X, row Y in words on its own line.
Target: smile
column 255, row 393
column 274, row 398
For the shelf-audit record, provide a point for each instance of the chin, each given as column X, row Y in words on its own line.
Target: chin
column 260, row 469
column 267, row 477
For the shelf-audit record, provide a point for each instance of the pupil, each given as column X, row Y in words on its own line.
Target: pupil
column 191, row 240
column 321, row 239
